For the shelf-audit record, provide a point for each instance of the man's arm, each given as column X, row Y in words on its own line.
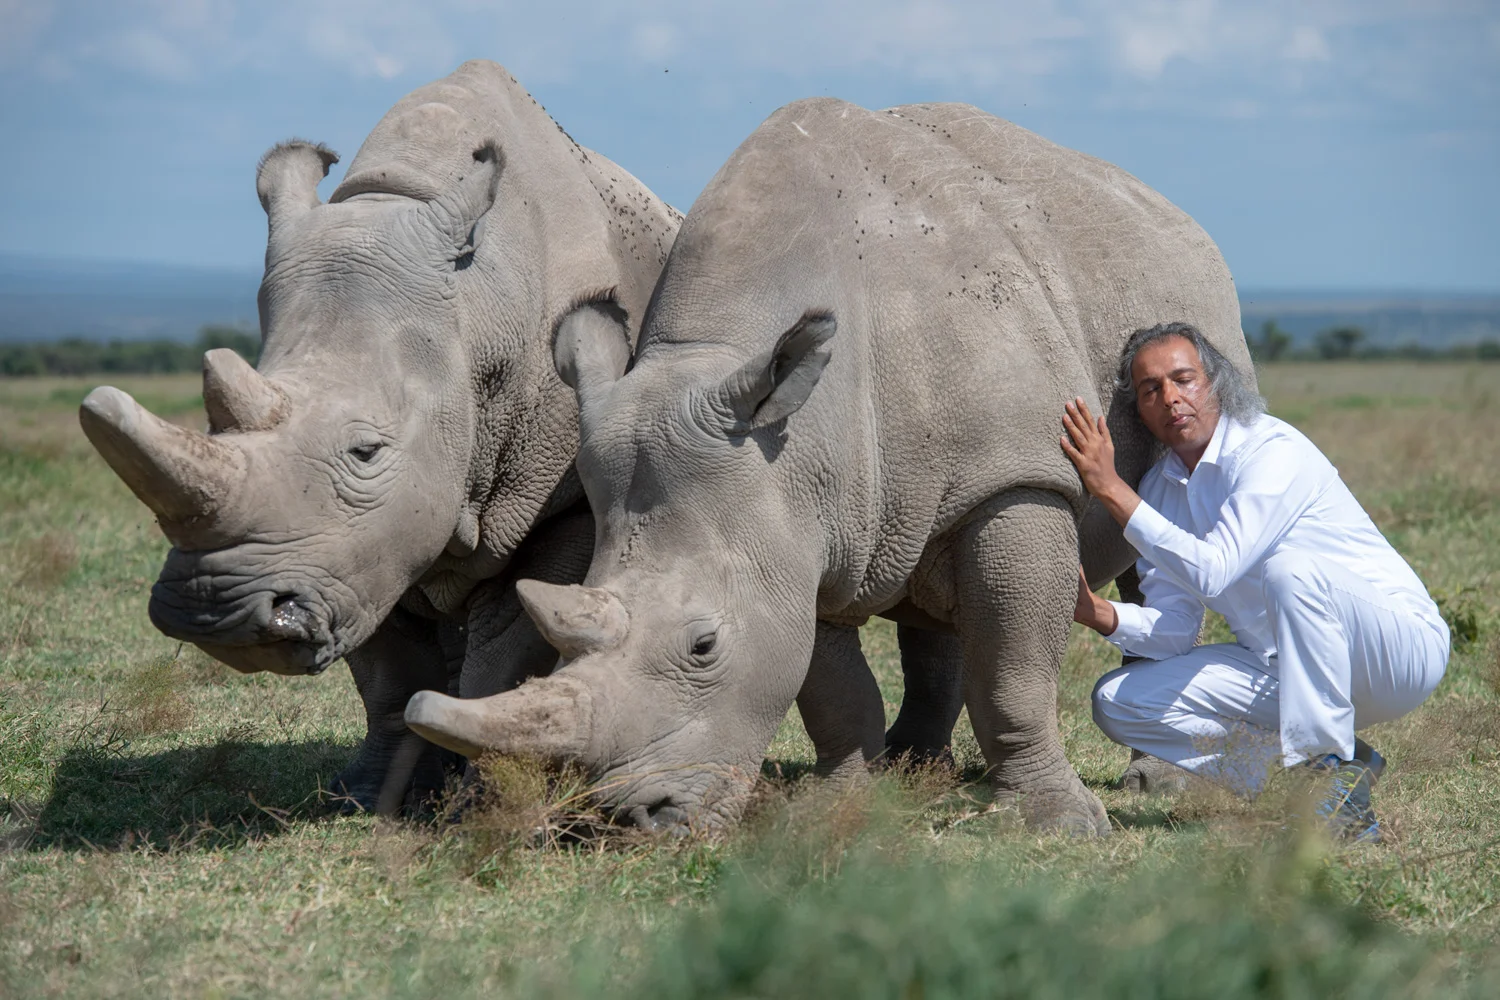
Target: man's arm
column 1167, row 625
column 1269, row 494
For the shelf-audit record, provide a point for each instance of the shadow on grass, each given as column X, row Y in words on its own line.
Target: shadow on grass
column 196, row 797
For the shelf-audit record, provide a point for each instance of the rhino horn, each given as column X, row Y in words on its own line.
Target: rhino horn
column 183, row 476
column 288, row 176
column 549, row 717
column 237, row 397
column 574, row 619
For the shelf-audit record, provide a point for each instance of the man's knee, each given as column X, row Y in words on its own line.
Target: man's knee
column 1290, row 572
column 1109, row 714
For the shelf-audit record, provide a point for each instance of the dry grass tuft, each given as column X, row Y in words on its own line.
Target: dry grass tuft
column 150, row 701
column 514, row 803
column 816, row 826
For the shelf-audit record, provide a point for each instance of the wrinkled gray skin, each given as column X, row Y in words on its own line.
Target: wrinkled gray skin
column 846, row 401
column 404, row 451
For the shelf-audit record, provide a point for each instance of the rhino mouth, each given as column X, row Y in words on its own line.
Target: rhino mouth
column 663, row 816
column 266, row 630
column 705, row 802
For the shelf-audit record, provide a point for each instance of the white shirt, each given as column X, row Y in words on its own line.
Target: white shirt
column 1204, row 538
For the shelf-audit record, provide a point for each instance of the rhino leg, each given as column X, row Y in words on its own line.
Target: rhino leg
column 505, row 647
column 394, row 766
column 1016, row 575
column 932, row 669
column 840, row 704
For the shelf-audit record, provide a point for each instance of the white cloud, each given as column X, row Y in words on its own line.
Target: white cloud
column 1204, row 56
column 1149, row 38
column 1306, row 44
column 149, row 53
column 383, row 38
column 1241, row 108
column 654, row 41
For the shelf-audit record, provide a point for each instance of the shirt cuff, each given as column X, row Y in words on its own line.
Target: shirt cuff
column 1130, row 624
column 1147, row 529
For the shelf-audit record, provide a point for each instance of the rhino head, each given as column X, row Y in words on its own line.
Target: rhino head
column 331, row 478
column 691, row 636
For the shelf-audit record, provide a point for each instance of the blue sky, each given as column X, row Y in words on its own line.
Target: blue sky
column 1350, row 144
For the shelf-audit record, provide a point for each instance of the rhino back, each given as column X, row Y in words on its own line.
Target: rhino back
column 980, row 275
column 598, row 222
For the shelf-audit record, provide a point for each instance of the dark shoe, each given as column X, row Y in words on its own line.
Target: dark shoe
column 1371, row 758
column 1344, row 804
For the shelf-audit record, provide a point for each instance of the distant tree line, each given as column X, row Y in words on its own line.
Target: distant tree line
column 1343, row 343
column 77, row 356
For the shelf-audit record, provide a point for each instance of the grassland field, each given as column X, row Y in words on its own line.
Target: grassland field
column 163, row 830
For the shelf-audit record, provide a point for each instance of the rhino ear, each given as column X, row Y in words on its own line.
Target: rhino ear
column 461, row 209
column 774, row 386
column 591, row 347
column 288, row 176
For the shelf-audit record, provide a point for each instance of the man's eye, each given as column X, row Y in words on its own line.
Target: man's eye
column 365, row 452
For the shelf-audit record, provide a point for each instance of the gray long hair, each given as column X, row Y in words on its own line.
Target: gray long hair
column 1235, row 397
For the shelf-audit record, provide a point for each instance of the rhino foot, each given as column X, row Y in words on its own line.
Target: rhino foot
column 1148, row 775
column 391, row 777
column 1069, row 809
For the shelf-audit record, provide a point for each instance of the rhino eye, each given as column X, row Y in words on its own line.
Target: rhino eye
column 365, row 452
column 704, row 645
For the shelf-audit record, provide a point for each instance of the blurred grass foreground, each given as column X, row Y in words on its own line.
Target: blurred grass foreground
column 163, row 831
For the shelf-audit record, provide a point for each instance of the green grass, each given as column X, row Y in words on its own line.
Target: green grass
column 162, row 832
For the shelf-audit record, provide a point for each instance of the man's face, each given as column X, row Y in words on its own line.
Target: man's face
column 1173, row 396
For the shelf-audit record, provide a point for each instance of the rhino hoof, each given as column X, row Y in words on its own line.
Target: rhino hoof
column 1072, row 812
column 1149, row 775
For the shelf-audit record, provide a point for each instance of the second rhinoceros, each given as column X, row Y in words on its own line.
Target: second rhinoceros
column 405, row 449
column 847, row 401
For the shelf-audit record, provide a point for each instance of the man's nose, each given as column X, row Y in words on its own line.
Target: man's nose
column 1169, row 395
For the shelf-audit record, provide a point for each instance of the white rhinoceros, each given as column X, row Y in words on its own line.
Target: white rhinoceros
column 761, row 485
column 405, row 450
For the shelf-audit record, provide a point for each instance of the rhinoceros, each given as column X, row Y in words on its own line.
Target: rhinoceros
column 404, row 451
column 846, row 401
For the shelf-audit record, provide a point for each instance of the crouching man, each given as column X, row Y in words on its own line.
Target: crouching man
column 1244, row 515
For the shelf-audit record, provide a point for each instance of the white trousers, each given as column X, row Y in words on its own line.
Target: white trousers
column 1347, row 657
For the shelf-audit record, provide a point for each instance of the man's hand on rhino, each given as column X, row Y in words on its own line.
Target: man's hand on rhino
column 1088, row 444
column 1092, row 610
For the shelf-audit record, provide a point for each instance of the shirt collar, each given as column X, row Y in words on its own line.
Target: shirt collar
column 1172, row 466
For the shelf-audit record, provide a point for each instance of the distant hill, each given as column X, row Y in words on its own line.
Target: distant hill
column 49, row 299
column 1395, row 319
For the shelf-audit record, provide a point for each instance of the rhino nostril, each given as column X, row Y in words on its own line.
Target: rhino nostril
column 290, row 620
column 667, row 818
